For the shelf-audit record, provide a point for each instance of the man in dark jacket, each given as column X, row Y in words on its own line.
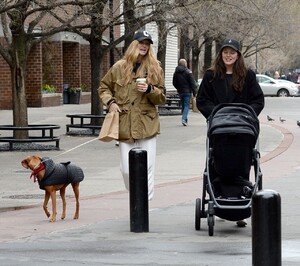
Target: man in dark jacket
column 184, row 83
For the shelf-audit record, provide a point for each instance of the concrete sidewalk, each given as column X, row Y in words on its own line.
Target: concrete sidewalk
column 180, row 155
column 101, row 236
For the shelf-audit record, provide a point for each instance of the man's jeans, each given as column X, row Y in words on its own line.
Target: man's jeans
column 185, row 99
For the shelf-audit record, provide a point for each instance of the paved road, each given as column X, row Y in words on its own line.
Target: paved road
column 102, row 235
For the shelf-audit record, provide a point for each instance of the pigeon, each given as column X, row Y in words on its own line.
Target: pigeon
column 281, row 120
column 298, row 123
column 270, row 118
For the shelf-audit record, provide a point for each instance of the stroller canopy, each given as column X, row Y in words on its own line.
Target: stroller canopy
column 233, row 118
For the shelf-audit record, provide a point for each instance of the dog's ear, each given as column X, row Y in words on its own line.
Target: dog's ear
column 25, row 162
column 37, row 157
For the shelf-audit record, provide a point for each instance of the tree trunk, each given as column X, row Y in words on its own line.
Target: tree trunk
column 162, row 43
column 185, row 46
column 130, row 21
column 181, row 45
column 195, row 59
column 96, row 55
column 207, row 54
column 18, row 76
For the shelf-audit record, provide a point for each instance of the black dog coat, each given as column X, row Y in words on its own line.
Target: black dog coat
column 61, row 173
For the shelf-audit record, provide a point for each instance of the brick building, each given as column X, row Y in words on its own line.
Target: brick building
column 63, row 59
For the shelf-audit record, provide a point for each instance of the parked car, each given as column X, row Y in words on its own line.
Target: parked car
column 277, row 87
column 290, row 82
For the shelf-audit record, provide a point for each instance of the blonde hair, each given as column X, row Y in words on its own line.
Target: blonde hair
column 150, row 66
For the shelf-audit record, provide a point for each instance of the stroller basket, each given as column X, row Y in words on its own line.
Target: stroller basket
column 233, row 210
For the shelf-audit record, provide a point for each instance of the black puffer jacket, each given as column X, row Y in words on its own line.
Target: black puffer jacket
column 214, row 90
column 183, row 80
column 62, row 173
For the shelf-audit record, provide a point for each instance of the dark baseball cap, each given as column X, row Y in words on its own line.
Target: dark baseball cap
column 232, row 43
column 142, row 35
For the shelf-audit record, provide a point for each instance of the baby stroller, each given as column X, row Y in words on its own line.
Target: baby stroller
column 232, row 135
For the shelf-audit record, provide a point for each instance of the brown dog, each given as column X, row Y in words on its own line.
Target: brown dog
column 53, row 177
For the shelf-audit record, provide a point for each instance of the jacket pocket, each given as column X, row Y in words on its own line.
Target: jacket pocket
column 121, row 92
column 149, row 123
column 124, row 125
column 152, row 114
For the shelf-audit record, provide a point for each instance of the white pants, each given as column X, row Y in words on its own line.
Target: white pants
column 148, row 145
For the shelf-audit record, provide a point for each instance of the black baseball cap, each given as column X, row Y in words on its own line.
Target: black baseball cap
column 142, row 35
column 232, row 43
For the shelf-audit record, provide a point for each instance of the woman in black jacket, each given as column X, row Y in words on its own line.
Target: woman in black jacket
column 229, row 81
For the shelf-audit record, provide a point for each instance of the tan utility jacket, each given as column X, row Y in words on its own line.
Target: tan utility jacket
column 139, row 116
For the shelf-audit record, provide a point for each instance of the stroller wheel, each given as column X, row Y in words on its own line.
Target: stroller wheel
column 198, row 214
column 211, row 223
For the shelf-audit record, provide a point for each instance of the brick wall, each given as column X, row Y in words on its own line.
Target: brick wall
column 86, row 67
column 5, row 86
column 71, row 64
column 33, row 80
column 53, row 64
column 34, row 77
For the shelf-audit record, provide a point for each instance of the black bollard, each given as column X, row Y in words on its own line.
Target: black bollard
column 266, row 228
column 138, row 190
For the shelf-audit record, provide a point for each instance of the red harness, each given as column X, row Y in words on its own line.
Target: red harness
column 36, row 171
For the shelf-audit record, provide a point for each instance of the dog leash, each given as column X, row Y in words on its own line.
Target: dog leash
column 67, row 151
column 76, row 147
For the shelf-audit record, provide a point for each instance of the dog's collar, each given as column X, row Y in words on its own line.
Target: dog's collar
column 35, row 171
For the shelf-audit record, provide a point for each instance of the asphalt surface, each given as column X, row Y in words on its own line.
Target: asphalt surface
column 102, row 234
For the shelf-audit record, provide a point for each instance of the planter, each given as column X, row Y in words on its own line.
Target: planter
column 50, row 99
column 75, row 97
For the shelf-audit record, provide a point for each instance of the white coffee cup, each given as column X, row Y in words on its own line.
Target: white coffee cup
column 141, row 80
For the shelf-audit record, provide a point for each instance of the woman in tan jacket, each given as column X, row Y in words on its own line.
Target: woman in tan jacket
column 136, row 101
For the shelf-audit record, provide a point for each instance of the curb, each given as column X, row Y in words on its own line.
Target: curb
column 287, row 141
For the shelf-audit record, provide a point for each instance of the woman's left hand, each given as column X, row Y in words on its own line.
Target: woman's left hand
column 142, row 87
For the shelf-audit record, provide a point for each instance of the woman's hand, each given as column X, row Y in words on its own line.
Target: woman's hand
column 142, row 87
column 114, row 108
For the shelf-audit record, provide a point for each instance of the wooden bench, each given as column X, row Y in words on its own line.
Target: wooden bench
column 172, row 103
column 46, row 135
column 79, row 121
column 169, row 107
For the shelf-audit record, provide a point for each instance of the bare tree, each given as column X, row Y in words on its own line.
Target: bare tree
column 21, row 23
column 129, row 13
column 260, row 25
column 255, row 23
column 28, row 22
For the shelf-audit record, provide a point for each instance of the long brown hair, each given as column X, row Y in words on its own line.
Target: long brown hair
column 238, row 74
column 150, row 66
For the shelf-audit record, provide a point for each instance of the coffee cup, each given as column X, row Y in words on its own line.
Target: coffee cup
column 141, row 80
